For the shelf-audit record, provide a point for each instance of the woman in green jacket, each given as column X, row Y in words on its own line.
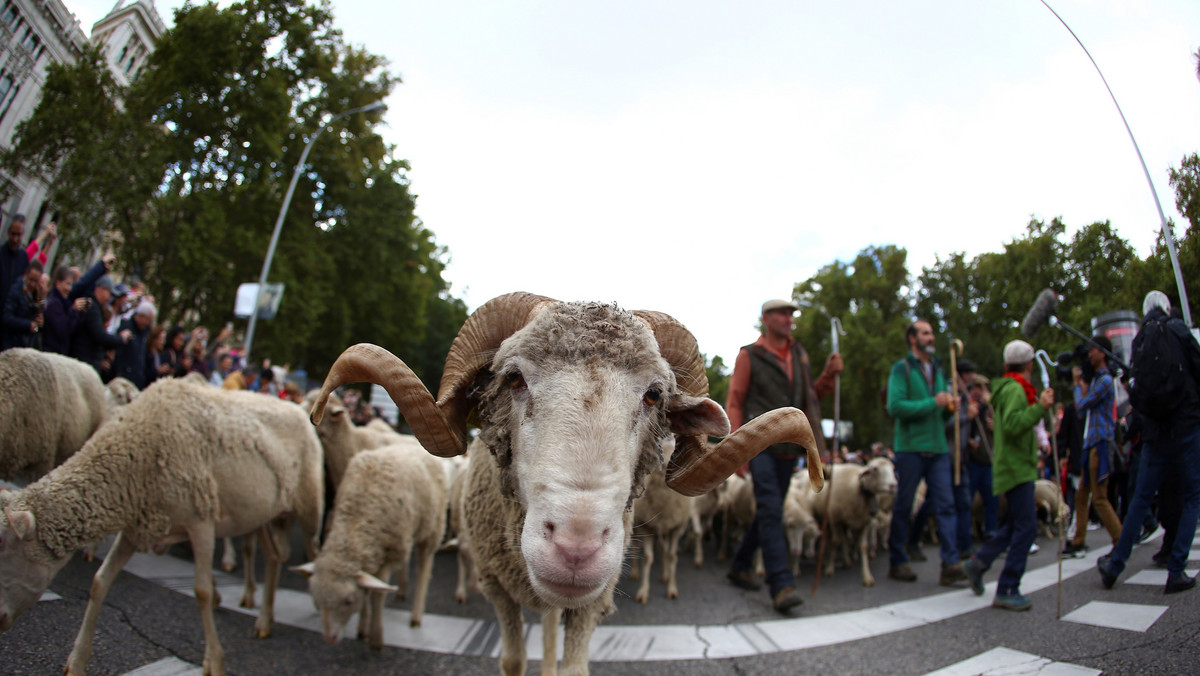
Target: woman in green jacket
column 1018, row 411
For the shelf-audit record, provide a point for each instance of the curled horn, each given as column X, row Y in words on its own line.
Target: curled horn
column 373, row 364
column 694, row 467
column 477, row 342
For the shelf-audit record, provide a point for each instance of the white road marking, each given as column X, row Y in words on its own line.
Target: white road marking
column 1128, row 616
column 1006, row 662
column 1152, row 576
column 169, row 666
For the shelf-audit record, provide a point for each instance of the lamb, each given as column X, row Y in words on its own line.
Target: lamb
column 799, row 524
column 180, row 462
column 704, row 512
column 853, row 501
column 394, row 499
column 342, row 440
column 660, row 514
column 1047, row 496
column 573, row 402
column 120, row 392
column 49, row 406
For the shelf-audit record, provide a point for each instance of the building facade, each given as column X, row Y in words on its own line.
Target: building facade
column 37, row 33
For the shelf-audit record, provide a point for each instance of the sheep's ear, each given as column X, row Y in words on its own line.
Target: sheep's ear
column 306, row 569
column 697, row 416
column 22, row 523
column 371, row 583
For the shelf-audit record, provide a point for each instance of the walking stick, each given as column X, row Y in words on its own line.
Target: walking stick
column 1042, row 359
column 835, row 328
column 956, row 346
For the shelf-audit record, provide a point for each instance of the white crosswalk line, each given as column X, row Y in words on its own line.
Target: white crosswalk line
column 1006, row 662
column 1127, row 616
column 1152, row 576
column 169, row 666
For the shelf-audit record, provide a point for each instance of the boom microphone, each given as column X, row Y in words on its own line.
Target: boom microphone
column 1041, row 312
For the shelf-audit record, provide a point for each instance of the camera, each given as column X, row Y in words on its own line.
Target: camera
column 1078, row 357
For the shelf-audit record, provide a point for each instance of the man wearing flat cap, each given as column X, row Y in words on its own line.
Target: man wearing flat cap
column 773, row 372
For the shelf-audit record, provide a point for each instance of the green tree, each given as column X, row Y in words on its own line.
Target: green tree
column 718, row 379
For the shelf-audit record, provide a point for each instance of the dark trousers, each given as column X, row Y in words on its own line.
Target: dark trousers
column 772, row 476
column 911, row 467
column 1016, row 535
column 981, row 483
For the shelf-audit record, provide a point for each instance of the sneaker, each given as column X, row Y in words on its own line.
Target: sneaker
column 902, row 573
column 974, row 572
column 1147, row 532
column 1178, row 582
column 1034, row 549
column 786, row 599
column 1013, row 601
column 1092, row 525
column 744, row 579
column 951, row 574
column 1074, row 551
column 1160, row 559
column 915, row 554
column 1108, row 575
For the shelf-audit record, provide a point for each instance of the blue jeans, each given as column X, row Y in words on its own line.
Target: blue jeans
column 772, row 477
column 1016, row 535
column 1179, row 457
column 981, row 483
column 962, row 516
column 911, row 467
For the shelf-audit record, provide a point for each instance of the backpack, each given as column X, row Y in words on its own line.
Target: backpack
column 1159, row 371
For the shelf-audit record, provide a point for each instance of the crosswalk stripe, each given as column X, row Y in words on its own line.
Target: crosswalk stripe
column 1150, row 576
column 1009, row 662
column 169, row 666
column 1127, row 616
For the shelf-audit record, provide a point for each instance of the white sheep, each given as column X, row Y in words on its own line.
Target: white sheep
column 704, row 512
column 393, row 500
column 853, row 502
column 660, row 517
column 49, row 406
column 462, row 544
column 342, row 439
column 799, row 525
column 1048, row 497
column 120, row 392
column 573, row 402
column 182, row 462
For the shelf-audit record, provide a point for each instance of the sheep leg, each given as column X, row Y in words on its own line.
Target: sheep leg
column 248, row 587
column 229, row 557
column 550, row 620
column 276, row 550
column 698, row 529
column 364, row 618
column 643, row 593
column 375, row 601
column 203, row 542
column 670, row 561
column 402, row 579
column 466, row 572
column 425, row 553
column 636, row 548
column 864, row 538
column 512, row 627
column 117, row 557
column 580, row 623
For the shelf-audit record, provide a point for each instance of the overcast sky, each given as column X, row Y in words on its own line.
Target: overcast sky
column 699, row 158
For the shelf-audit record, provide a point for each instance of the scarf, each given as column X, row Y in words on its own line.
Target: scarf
column 1030, row 394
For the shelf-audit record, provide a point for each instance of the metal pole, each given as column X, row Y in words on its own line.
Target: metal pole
column 835, row 328
column 1166, row 229
column 287, row 200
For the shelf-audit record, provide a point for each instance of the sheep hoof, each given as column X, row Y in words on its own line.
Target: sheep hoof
column 262, row 633
column 460, row 597
column 414, row 622
column 641, row 598
column 869, row 583
column 228, row 567
column 247, row 601
column 672, row 593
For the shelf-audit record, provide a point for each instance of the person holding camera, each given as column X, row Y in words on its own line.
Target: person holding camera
column 91, row 339
column 23, row 317
column 1094, row 403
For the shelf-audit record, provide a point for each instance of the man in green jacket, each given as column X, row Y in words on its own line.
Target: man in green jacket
column 1018, row 411
column 919, row 403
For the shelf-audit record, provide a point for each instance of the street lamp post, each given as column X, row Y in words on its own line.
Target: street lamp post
column 287, row 200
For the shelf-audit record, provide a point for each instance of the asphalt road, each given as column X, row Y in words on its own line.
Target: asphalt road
column 150, row 626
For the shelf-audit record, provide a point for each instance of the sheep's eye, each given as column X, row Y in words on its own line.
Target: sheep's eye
column 515, row 380
column 652, row 397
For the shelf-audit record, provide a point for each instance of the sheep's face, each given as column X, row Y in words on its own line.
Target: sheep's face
column 25, row 567
column 575, row 413
column 879, row 477
column 337, row 598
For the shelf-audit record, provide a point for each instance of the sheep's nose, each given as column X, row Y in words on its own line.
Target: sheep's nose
column 576, row 543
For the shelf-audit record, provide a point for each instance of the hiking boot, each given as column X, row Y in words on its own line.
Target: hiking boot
column 1177, row 582
column 1074, row 551
column 951, row 574
column 915, row 554
column 1013, row 601
column 974, row 571
column 744, row 579
column 786, row 599
column 1108, row 575
column 902, row 573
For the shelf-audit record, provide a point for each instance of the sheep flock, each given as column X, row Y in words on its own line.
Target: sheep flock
column 587, row 415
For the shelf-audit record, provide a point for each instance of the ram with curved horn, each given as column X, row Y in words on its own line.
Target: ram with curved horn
column 573, row 401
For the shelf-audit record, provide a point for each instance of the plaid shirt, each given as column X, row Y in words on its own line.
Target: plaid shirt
column 1099, row 403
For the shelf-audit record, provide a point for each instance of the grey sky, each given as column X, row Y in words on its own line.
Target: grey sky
column 699, row 158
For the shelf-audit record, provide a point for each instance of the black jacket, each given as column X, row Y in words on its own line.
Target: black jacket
column 1187, row 415
column 20, row 309
column 130, row 360
column 90, row 340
